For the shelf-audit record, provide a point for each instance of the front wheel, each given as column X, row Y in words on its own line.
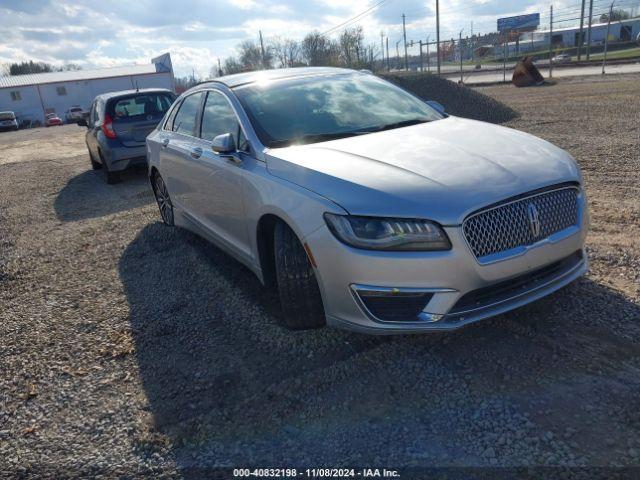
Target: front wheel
column 163, row 199
column 297, row 285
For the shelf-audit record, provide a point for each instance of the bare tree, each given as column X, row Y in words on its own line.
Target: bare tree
column 287, row 52
column 251, row 55
column 318, row 50
column 351, row 47
column 232, row 65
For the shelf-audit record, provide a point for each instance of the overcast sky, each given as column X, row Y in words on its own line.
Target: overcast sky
column 99, row 33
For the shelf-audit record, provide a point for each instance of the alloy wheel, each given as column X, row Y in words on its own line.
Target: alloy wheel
column 164, row 201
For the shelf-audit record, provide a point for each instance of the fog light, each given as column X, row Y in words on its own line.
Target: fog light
column 392, row 304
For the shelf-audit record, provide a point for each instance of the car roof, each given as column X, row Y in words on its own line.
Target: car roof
column 238, row 79
column 8, row 111
column 125, row 93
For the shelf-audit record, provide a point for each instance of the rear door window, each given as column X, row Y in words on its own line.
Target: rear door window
column 186, row 118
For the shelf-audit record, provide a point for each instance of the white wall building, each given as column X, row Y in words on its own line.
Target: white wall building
column 568, row 37
column 33, row 96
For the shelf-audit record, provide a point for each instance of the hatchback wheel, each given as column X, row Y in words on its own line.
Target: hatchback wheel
column 95, row 165
column 297, row 285
column 163, row 199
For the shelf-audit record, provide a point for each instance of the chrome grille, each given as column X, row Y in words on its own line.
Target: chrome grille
column 508, row 226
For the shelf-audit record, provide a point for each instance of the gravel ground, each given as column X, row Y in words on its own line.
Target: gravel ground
column 131, row 349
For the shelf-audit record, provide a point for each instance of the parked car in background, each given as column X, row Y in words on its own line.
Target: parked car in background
column 74, row 114
column 52, row 120
column 366, row 206
column 8, row 121
column 562, row 58
column 118, row 124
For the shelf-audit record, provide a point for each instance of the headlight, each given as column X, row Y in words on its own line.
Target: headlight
column 387, row 233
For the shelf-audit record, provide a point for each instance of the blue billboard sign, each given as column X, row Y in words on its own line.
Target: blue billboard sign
column 520, row 22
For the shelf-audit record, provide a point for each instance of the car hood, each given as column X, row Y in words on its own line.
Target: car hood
column 441, row 170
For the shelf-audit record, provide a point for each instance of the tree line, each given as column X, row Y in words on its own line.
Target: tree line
column 315, row 49
column 30, row 67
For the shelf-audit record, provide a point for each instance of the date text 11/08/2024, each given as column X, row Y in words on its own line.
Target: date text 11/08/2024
column 316, row 473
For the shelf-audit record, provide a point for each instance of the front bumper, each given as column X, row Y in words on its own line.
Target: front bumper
column 453, row 280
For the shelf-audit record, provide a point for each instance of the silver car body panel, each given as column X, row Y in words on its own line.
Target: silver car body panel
column 442, row 171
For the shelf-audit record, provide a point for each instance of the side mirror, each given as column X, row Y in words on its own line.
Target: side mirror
column 82, row 122
column 224, row 144
column 436, row 106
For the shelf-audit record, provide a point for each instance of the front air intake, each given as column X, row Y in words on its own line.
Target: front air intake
column 393, row 305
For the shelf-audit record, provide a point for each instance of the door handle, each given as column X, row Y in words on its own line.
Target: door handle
column 196, row 152
column 165, row 142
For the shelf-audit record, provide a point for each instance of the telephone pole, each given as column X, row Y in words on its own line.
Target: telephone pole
column 388, row 64
column 551, row 41
column 438, row 33
column 382, row 49
column 581, row 34
column 589, row 29
column 262, row 50
column 606, row 40
column 404, row 36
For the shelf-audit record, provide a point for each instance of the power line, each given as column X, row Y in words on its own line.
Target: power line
column 357, row 17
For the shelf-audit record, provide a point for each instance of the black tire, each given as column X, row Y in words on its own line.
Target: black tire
column 94, row 165
column 297, row 285
column 163, row 199
column 109, row 176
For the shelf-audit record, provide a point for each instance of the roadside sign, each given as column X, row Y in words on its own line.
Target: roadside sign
column 520, row 22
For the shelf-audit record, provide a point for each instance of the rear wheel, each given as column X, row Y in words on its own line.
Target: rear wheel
column 109, row 176
column 95, row 165
column 297, row 285
column 163, row 199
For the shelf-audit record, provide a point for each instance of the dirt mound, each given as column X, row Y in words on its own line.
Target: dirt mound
column 457, row 100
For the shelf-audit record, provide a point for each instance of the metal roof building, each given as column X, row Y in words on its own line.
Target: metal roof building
column 33, row 96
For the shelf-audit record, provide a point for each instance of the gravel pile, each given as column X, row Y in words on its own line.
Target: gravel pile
column 130, row 349
column 457, row 99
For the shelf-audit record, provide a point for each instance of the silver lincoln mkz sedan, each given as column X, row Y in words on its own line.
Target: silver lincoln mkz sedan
column 367, row 207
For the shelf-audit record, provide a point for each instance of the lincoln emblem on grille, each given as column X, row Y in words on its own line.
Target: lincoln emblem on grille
column 534, row 220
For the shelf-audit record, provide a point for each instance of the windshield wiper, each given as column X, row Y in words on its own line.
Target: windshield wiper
column 313, row 138
column 391, row 126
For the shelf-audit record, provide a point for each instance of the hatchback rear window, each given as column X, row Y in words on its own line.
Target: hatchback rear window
column 143, row 105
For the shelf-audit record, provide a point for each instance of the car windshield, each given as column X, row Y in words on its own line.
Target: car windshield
column 7, row 116
column 316, row 109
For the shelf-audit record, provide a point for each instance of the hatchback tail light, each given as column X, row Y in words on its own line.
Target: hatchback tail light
column 107, row 127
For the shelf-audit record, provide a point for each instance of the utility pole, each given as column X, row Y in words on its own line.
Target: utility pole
column 219, row 68
column 262, row 50
column 421, row 64
column 581, row 34
column 382, row 49
column 398, row 54
column 388, row 64
column 551, row 42
column 404, row 36
column 606, row 40
column 428, row 56
column 460, row 50
column 589, row 29
column 438, row 33
column 472, row 42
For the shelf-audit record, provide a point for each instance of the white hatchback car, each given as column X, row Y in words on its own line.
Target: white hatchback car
column 366, row 206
